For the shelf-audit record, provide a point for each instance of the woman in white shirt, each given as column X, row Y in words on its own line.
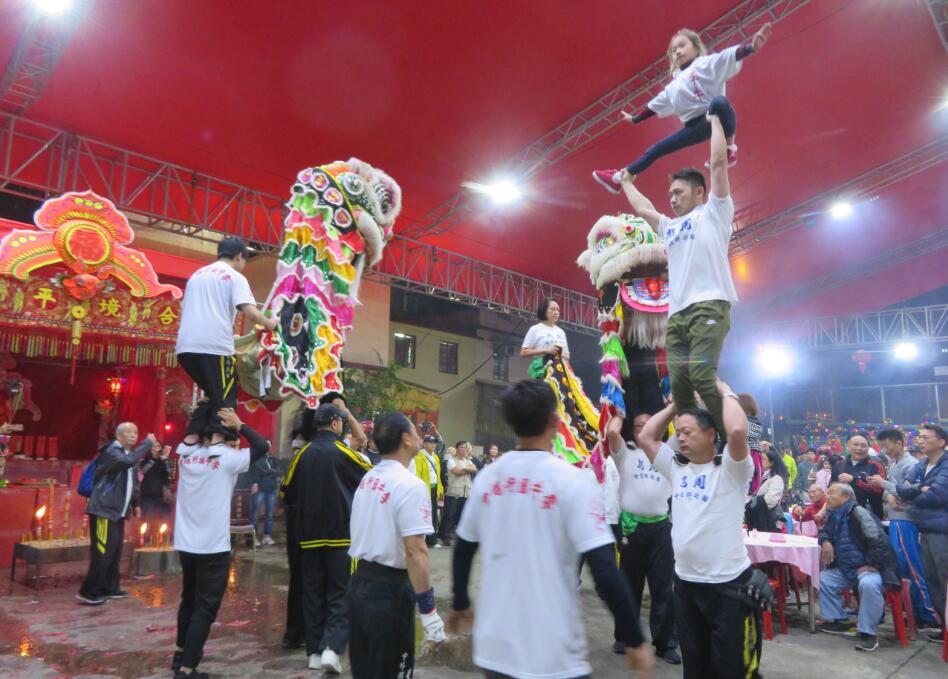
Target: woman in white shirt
column 545, row 340
column 773, row 484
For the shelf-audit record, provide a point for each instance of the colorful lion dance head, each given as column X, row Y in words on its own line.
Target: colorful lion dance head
column 341, row 216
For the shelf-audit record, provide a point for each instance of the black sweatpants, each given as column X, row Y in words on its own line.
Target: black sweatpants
column 453, row 506
column 720, row 637
column 295, row 627
column 105, row 555
column 325, row 583
column 647, row 556
column 432, row 540
column 216, row 376
column 382, row 622
column 204, row 579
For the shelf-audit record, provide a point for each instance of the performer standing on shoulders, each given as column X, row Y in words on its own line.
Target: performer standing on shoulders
column 534, row 515
column 700, row 288
column 391, row 515
column 545, row 340
column 719, row 633
column 205, row 348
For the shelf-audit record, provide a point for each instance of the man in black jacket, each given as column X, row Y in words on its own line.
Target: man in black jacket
column 321, row 482
column 855, row 470
column 155, row 487
column 113, row 486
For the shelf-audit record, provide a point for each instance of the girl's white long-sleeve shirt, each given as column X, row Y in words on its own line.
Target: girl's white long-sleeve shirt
column 690, row 92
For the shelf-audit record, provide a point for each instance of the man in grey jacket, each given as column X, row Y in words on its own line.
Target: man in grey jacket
column 903, row 533
column 113, row 485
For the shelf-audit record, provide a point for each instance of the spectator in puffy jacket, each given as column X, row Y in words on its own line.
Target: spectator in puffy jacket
column 855, row 470
column 109, row 504
column 927, row 489
column 854, row 543
column 154, row 494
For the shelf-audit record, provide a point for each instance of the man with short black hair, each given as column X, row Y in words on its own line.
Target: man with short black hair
column 391, row 515
column 927, row 489
column 205, row 348
column 534, row 515
column 855, row 470
column 719, row 630
column 700, row 288
column 321, row 482
column 903, row 533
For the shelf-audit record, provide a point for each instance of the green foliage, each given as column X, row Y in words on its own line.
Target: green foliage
column 373, row 391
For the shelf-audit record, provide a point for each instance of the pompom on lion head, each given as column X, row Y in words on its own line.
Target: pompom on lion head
column 622, row 247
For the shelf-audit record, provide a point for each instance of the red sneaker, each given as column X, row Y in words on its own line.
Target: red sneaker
column 610, row 180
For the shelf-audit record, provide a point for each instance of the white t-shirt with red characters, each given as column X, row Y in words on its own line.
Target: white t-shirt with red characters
column 206, row 479
column 533, row 515
column 690, row 92
column 209, row 309
column 390, row 504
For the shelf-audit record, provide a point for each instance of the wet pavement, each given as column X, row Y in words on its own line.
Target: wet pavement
column 44, row 633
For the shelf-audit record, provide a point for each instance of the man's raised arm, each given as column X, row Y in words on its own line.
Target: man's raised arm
column 735, row 423
column 650, row 438
column 720, row 185
column 641, row 205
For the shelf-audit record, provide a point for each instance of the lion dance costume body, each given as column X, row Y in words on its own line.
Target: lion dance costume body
column 627, row 263
column 340, row 217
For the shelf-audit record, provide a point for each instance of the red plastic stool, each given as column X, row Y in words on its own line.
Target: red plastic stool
column 907, row 607
column 893, row 599
column 768, row 626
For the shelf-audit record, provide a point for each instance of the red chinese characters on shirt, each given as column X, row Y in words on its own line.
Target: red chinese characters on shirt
column 521, row 486
column 376, row 485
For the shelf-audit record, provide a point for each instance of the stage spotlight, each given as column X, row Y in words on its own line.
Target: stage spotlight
column 775, row 360
column 841, row 209
column 500, row 191
column 52, row 7
column 905, row 351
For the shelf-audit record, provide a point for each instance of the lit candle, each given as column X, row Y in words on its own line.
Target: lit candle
column 66, row 514
column 162, row 529
column 52, row 510
column 40, row 513
column 141, row 534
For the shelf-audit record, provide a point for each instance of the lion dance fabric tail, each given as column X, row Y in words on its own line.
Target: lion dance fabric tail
column 340, row 216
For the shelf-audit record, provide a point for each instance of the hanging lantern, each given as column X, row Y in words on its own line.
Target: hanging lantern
column 861, row 358
column 115, row 386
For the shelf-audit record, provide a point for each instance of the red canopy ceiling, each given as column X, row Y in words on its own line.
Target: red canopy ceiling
column 437, row 93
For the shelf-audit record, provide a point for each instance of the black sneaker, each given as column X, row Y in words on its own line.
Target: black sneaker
column 670, row 655
column 618, row 648
column 120, row 594
column 937, row 637
column 91, row 600
column 867, row 643
column 841, row 627
column 193, row 674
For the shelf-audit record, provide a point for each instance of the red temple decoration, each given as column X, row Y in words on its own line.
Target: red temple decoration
column 84, row 237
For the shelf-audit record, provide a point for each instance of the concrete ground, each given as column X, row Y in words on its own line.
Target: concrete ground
column 43, row 633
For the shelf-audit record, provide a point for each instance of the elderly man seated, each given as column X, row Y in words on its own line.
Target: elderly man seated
column 854, row 543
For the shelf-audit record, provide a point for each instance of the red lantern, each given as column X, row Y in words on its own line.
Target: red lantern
column 861, row 358
column 115, row 386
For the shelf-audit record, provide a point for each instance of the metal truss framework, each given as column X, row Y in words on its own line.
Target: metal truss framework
column 38, row 157
column 867, row 330
column 890, row 258
column 939, row 12
column 38, row 49
column 864, row 186
column 603, row 115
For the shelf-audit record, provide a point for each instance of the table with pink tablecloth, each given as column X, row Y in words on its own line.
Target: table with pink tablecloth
column 794, row 550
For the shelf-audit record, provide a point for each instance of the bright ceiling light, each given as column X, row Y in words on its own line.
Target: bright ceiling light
column 905, row 351
column 52, row 7
column 775, row 360
column 841, row 209
column 501, row 191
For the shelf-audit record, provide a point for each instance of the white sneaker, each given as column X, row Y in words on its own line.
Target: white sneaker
column 437, row 545
column 331, row 662
column 256, row 542
column 267, row 540
column 315, row 662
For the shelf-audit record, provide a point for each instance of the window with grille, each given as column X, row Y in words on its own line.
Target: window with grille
column 501, row 363
column 448, row 357
column 404, row 350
